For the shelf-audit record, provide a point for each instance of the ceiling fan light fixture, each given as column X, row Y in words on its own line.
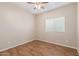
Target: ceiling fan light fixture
column 38, row 5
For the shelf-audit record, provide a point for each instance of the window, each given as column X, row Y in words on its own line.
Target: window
column 55, row 24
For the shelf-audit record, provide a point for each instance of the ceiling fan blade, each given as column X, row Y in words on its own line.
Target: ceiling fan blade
column 30, row 3
column 44, row 2
column 36, row 2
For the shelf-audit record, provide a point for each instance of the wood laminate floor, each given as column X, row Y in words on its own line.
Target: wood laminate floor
column 39, row 48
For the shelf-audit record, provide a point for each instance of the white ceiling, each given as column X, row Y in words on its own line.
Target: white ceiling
column 49, row 6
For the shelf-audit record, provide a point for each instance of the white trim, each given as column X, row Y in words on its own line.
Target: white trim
column 15, row 45
column 58, row 44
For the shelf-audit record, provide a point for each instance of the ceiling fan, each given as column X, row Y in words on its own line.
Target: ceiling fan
column 38, row 5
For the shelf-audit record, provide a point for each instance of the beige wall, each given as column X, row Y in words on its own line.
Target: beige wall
column 67, row 38
column 16, row 25
column 78, row 26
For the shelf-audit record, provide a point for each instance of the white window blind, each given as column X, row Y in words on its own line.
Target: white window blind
column 55, row 24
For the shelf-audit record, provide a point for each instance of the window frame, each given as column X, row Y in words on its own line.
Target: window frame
column 55, row 18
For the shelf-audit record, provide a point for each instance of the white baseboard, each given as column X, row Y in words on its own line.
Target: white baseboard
column 59, row 44
column 14, row 46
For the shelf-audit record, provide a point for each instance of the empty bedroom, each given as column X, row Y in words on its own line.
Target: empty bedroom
column 39, row 29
